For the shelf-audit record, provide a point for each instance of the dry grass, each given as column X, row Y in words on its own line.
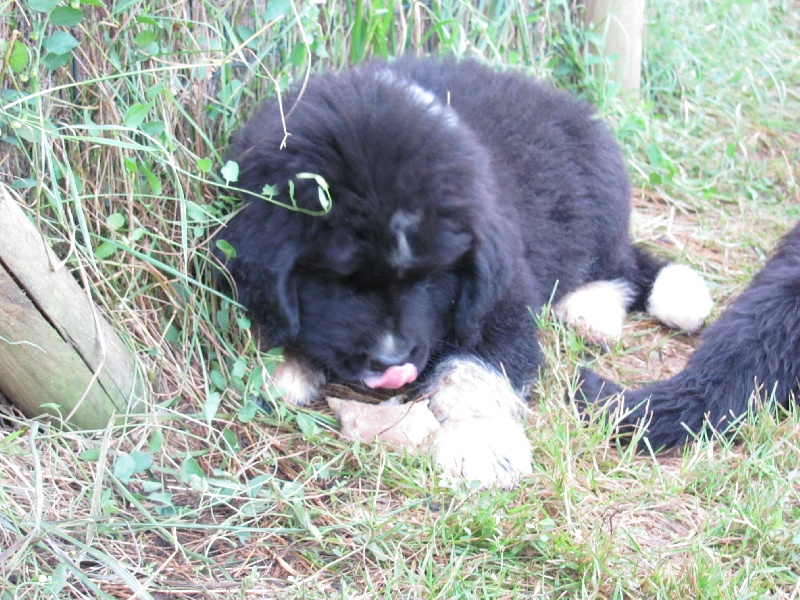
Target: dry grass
column 116, row 155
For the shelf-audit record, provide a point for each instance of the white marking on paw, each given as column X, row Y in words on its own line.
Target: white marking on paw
column 482, row 438
column 297, row 383
column 599, row 306
column 680, row 298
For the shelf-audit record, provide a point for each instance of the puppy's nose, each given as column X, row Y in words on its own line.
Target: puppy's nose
column 381, row 362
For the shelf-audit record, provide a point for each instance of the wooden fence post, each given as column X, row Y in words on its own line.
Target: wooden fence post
column 621, row 23
column 55, row 346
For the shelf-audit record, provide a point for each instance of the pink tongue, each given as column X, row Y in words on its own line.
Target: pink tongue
column 393, row 377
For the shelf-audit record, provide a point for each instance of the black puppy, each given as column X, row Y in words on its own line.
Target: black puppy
column 753, row 348
column 428, row 208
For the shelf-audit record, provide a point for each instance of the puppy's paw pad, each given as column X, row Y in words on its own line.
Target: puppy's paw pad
column 680, row 298
column 490, row 451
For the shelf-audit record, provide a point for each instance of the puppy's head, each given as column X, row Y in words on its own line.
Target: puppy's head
column 409, row 259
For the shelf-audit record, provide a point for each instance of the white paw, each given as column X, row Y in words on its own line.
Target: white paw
column 491, row 451
column 482, row 438
column 680, row 298
column 297, row 383
column 599, row 307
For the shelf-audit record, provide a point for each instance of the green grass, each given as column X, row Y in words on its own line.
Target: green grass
column 114, row 118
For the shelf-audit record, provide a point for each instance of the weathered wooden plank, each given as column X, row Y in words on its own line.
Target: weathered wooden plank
column 37, row 368
column 621, row 22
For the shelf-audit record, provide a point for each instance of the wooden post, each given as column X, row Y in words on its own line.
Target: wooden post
column 55, row 346
column 621, row 24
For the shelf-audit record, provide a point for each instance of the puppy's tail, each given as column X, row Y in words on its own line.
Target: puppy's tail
column 753, row 350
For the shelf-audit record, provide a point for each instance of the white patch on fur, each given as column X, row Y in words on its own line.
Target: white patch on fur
column 400, row 225
column 298, row 384
column 680, row 298
column 387, row 345
column 386, row 77
column 423, row 96
column 482, row 438
column 599, row 306
column 426, row 99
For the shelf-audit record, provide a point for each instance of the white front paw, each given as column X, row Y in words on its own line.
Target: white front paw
column 298, row 383
column 482, row 438
column 493, row 451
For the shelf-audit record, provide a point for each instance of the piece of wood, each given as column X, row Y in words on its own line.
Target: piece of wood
column 408, row 426
column 621, row 23
column 55, row 346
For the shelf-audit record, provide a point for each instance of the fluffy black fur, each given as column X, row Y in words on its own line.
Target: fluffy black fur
column 754, row 347
column 501, row 188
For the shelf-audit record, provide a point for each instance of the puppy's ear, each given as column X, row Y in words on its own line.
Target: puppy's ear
column 486, row 283
column 266, row 249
